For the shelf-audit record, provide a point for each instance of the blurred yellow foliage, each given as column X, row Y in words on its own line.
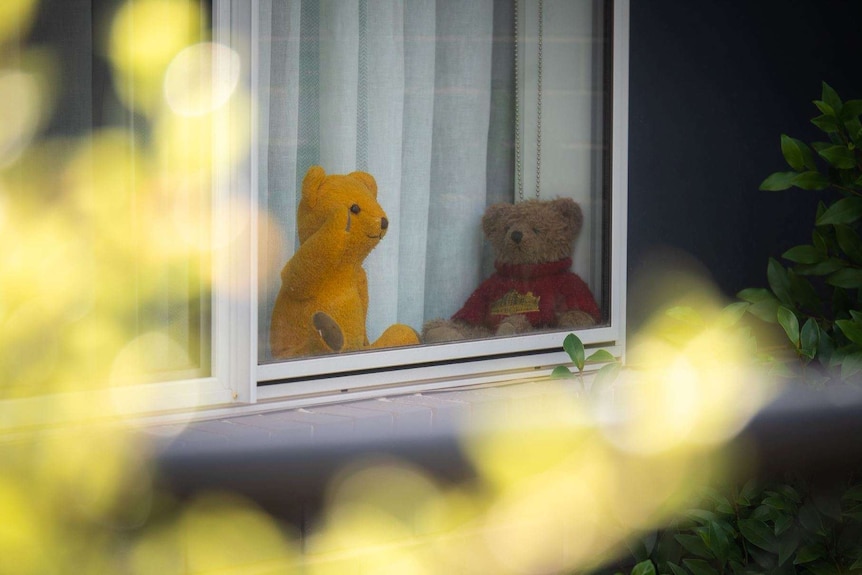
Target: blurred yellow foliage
column 16, row 17
column 145, row 36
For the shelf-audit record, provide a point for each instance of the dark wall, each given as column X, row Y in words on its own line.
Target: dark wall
column 713, row 85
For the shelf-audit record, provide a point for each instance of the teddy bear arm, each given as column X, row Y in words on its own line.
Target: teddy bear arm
column 362, row 287
column 475, row 308
column 315, row 258
column 578, row 297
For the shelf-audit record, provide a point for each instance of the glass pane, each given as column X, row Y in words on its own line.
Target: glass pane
column 104, row 194
column 445, row 108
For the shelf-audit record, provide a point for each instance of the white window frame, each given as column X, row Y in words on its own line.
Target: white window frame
column 426, row 367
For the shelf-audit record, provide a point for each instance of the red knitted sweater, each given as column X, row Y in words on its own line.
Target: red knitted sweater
column 539, row 291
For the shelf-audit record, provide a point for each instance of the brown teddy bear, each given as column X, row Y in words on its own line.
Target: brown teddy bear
column 533, row 287
column 322, row 304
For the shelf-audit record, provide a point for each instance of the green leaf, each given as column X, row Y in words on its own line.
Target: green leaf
column 849, row 278
column 797, row 154
column 854, row 129
column 787, row 319
column 764, row 304
column 839, row 156
column 841, row 303
column 853, row 493
column 787, row 545
column 694, row 545
column 804, row 254
column 821, row 269
column 605, row 376
column 825, row 349
column 817, row 238
column 803, row 293
column 644, row 568
column 732, row 313
column 701, row 516
column 825, row 108
column 852, row 109
column 776, row 502
column 779, row 282
column 575, row 348
column 778, row 181
column 822, row 145
column 699, row 567
column 809, row 553
column 851, row 365
column 758, row 533
column 830, row 97
column 750, row 490
column 755, row 295
column 844, row 211
column 783, row 523
column 677, row 570
column 722, row 503
column 719, row 542
column 788, row 492
column 849, row 242
column 637, row 547
column 850, row 328
column 809, row 339
column 764, row 513
column 811, row 519
column 811, row 180
column 601, row 356
column 826, row 122
column 562, row 372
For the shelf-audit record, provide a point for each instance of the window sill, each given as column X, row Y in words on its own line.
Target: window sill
column 413, row 415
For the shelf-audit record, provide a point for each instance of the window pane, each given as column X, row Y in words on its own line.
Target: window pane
column 449, row 115
column 104, row 194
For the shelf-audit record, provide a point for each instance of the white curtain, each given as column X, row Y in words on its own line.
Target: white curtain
column 402, row 89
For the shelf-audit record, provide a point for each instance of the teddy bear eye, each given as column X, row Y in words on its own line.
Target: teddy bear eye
column 355, row 208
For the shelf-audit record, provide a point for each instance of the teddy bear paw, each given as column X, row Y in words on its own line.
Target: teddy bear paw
column 514, row 324
column 576, row 318
column 329, row 331
column 440, row 331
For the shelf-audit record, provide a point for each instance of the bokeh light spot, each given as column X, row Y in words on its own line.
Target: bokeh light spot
column 19, row 114
column 201, row 78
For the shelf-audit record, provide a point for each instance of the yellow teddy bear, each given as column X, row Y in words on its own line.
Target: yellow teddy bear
column 323, row 300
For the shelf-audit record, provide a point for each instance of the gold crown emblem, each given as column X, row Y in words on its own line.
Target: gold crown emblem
column 514, row 302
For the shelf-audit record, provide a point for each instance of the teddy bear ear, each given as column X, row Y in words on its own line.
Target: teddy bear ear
column 494, row 214
column 368, row 180
column 571, row 213
column 311, row 182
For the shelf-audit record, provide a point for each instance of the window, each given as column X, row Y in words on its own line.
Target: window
column 151, row 160
column 426, row 97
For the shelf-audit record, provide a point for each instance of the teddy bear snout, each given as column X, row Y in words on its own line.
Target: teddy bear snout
column 516, row 237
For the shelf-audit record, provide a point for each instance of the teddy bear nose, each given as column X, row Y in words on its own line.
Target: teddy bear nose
column 384, row 223
column 516, row 237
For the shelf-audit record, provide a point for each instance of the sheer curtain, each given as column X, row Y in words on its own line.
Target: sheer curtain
column 415, row 92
